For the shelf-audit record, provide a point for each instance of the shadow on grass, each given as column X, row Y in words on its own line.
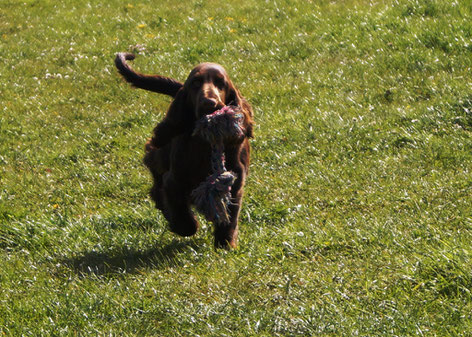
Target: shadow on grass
column 129, row 261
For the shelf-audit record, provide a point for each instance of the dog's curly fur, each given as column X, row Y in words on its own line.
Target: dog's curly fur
column 180, row 161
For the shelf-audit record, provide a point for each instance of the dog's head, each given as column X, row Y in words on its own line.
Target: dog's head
column 208, row 88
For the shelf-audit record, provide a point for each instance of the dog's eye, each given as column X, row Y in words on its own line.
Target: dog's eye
column 196, row 83
column 220, row 83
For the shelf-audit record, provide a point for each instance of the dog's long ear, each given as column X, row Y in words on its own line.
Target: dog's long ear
column 179, row 119
column 234, row 98
column 179, row 113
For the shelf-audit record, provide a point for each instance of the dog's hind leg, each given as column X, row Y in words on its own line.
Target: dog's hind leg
column 157, row 160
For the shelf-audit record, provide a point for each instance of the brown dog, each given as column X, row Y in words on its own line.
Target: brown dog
column 179, row 161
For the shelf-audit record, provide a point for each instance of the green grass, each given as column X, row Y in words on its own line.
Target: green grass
column 357, row 215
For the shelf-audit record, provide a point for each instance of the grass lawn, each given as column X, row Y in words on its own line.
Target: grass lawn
column 357, row 217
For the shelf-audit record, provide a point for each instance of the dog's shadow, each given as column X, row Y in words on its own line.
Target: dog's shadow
column 129, row 261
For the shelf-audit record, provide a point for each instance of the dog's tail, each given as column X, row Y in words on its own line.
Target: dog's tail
column 155, row 83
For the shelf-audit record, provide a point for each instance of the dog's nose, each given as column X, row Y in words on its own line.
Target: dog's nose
column 208, row 103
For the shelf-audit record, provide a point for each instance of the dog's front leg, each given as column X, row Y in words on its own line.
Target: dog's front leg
column 177, row 207
column 226, row 233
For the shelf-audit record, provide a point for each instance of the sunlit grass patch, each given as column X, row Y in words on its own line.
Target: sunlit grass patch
column 356, row 218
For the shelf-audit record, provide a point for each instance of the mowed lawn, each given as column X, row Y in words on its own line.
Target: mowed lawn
column 357, row 216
